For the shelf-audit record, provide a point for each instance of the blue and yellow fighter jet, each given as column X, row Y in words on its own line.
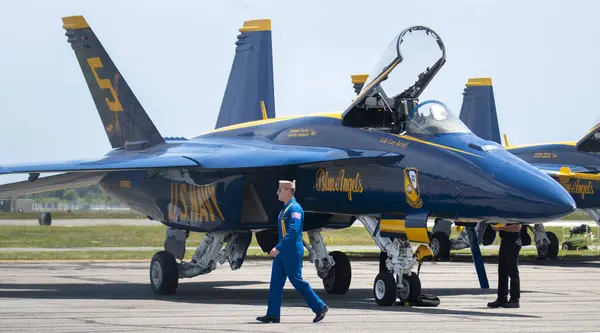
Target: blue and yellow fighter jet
column 574, row 165
column 388, row 162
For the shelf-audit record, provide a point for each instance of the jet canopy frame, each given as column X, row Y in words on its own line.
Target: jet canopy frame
column 372, row 108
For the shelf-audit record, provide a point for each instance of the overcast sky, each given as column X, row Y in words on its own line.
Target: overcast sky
column 176, row 56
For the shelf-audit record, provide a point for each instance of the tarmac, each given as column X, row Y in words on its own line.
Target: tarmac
column 557, row 296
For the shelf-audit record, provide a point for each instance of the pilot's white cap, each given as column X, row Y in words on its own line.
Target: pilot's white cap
column 287, row 184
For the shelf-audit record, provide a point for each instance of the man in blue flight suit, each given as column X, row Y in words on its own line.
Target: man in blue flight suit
column 288, row 255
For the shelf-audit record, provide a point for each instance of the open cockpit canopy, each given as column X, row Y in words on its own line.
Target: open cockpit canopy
column 389, row 95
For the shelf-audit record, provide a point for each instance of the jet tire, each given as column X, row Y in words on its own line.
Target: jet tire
column 440, row 245
column 410, row 288
column 553, row 247
column 164, row 275
column 385, row 289
column 339, row 276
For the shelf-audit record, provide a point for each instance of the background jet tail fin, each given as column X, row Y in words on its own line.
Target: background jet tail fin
column 123, row 117
column 478, row 110
column 249, row 94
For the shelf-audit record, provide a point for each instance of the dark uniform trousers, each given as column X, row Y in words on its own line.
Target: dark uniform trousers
column 510, row 246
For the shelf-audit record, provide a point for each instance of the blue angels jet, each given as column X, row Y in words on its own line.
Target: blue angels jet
column 385, row 160
column 574, row 165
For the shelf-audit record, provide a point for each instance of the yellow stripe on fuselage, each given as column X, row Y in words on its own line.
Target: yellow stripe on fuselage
column 408, row 137
column 335, row 115
column 566, row 172
column 564, row 143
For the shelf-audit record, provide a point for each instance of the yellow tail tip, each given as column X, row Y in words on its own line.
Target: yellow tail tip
column 479, row 81
column 359, row 78
column 256, row 25
column 74, row 22
column 505, row 141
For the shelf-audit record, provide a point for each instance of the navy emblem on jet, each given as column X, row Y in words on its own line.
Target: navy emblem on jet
column 412, row 188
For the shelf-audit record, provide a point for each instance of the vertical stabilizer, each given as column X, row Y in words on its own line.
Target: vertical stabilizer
column 124, row 119
column 249, row 94
column 478, row 110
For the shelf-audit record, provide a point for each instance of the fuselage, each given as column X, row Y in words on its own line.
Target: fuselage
column 585, row 192
column 456, row 176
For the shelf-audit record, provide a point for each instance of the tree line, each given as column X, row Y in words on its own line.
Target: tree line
column 89, row 195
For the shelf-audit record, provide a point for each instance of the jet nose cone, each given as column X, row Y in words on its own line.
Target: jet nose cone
column 550, row 198
column 536, row 196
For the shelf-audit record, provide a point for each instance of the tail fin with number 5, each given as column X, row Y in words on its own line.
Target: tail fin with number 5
column 124, row 119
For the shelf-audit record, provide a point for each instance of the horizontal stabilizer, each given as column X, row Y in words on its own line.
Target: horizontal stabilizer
column 51, row 183
column 111, row 163
column 478, row 110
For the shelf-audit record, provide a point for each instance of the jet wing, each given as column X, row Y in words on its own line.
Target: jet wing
column 213, row 156
column 204, row 156
column 264, row 155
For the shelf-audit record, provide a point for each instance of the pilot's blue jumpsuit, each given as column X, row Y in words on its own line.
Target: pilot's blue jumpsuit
column 288, row 263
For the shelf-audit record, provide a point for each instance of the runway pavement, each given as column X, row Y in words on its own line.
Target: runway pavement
column 116, row 297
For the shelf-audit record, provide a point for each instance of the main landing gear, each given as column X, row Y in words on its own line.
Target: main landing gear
column 333, row 268
column 165, row 271
column 546, row 242
column 395, row 279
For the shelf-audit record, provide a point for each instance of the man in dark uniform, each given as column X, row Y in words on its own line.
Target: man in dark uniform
column 288, row 255
column 508, row 261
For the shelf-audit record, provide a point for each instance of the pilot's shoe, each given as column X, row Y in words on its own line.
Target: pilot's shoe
column 321, row 314
column 513, row 303
column 268, row 319
column 498, row 302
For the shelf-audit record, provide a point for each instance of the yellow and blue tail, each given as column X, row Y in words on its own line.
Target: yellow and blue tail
column 478, row 110
column 124, row 119
column 249, row 94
